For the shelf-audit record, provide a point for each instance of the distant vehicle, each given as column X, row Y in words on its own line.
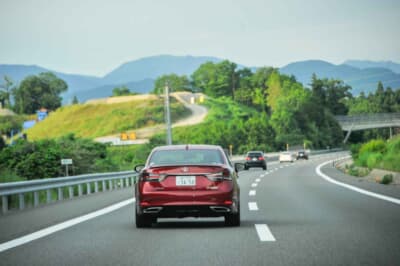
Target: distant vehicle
column 187, row 181
column 302, row 155
column 287, row 157
column 255, row 159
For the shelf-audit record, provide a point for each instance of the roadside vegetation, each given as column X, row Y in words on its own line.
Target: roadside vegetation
column 379, row 154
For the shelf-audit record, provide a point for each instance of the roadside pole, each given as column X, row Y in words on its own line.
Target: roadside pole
column 168, row 115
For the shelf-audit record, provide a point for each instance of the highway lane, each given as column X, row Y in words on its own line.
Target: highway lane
column 312, row 221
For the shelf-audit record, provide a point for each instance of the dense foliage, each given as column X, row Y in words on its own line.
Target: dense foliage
column 10, row 124
column 174, row 82
column 42, row 159
column 41, row 91
column 378, row 154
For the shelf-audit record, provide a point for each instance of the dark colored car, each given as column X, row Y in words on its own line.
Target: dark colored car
column 302, row 155
column 255, row 159
column 187, row 181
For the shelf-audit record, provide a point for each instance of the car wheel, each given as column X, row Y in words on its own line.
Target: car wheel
column 142, row 221
column 264, row 167
column 233, row 219
column 246, row 168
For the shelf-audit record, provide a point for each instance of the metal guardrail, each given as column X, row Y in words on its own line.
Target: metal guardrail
column 107, row 182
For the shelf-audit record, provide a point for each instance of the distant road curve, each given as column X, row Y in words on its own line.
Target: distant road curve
column 198, row 115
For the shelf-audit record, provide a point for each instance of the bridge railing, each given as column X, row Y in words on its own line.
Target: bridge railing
column 368, row 118
column 45, row 190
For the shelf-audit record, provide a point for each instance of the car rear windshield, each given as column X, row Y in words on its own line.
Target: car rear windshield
column 254, row 154
column 193, row 156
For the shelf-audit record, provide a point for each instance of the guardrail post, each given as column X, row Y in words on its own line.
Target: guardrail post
column 121, row 181
column 4, row 202
column 110, row 182
column 80, row 190
column 104, row 185
column 60, row 193
column 88, row 188
column 126, row 182
column 48, row 196
column 35, row 198
column 96, row 186
column 21, row 200
column 71, row 192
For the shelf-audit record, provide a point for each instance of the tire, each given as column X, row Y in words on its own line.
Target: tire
column 246, row 167
column 264, row 167
column 142, row 221
column 233, row 219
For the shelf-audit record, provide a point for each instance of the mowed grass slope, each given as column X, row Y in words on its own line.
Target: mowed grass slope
column 102, row 119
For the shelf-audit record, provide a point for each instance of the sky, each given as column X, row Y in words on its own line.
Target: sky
column 93, row 37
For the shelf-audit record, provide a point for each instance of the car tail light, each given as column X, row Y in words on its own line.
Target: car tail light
column 248, row 158
column 261, row 158
column 220, row 176
column 145, row 176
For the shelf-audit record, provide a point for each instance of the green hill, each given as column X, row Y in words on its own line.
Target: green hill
column 104, row 117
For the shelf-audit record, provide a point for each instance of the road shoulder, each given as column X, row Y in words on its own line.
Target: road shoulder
column 359, row 182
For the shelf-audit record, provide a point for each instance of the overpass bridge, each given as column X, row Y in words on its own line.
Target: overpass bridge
column 368, row 121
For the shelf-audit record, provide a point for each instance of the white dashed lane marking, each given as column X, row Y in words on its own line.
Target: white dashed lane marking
column 264, row 233
column 252, row 193
column 253, row 206
column 254, row 185
column 258, row 180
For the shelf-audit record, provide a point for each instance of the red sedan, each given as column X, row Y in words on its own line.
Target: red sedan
column 187, row 181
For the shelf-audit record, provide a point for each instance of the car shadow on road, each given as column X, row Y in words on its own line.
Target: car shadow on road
column 196, row 224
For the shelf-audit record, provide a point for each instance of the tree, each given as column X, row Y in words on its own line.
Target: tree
column 175, row 83
column 120, row 91
column 75, row 100
column 331, row 93
column 39, row 91
column 216, row 80
column 274, row 89
column 5, row 92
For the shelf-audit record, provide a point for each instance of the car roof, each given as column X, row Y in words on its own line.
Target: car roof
column 188, row 147
column 255, row 152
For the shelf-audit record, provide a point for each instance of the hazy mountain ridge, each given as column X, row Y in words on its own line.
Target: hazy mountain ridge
column 365, row 80
column 395, row 67
column 139, row 75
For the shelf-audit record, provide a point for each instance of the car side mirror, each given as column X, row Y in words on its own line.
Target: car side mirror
column 239, row 167
column 138, row 168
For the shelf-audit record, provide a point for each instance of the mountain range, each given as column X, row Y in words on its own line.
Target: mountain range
column 139, row 75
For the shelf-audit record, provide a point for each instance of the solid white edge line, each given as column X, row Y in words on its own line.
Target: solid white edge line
column 359, row 190
column 264, row 233
column 252, row 193
column 253, row 206
column 58, row 227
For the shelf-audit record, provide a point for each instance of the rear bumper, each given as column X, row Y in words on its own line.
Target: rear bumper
column 181, row 211
column 255, row 164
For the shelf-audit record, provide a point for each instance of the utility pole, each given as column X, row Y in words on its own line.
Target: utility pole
column 168, row 115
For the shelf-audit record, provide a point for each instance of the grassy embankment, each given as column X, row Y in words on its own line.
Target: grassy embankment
column 102, row 119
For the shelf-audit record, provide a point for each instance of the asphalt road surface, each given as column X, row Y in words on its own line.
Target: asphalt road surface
column 290, row 216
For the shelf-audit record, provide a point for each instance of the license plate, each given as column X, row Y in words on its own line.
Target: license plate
column 189, row 180
column 254, row 159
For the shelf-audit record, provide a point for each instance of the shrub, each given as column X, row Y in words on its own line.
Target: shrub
column 387, row 179
column 376, row 145
column 373, row 160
